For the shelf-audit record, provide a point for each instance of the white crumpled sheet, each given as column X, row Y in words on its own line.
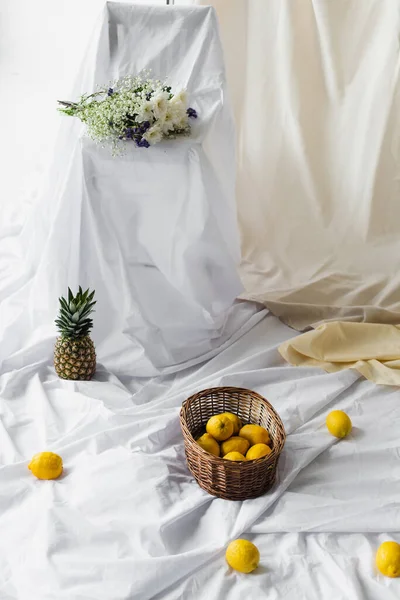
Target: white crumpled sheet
column 127, row 520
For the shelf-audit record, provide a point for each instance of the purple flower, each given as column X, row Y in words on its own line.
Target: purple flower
column 145, row 126
column 110, row 92
column 128, row 133
column 143, row 143
column 191, row 113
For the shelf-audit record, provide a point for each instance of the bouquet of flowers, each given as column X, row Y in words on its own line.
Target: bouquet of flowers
column 134, row 108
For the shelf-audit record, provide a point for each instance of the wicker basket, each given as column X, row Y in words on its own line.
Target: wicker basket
column 223, row 478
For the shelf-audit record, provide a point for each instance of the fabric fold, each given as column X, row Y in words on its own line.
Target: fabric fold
column 372, row 349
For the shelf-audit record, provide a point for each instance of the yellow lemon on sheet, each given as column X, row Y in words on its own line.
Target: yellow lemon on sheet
column 258, row 451
column 209, row 444
column 388, row 559
column 46, row 465
column 235, row 456
column 237, row 423
column 338, row 423
column 255, row 434
column 220, row 427
column 235, row 444
column 242, row 556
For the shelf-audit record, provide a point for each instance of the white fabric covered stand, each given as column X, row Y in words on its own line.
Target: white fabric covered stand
column 154, row 231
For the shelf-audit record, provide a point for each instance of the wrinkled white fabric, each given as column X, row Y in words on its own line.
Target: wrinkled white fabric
column 315, row 87
column 153, row 232
column 127, row 521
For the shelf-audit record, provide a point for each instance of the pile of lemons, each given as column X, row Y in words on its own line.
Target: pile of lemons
column 228, row 438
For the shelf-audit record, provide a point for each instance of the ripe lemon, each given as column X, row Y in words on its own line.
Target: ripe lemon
column 220, row 427
column 338, row 423
column 235, row 444
column 388, row 559
column 235, row 456
column 207, row 442
column 242, row 556
column 237, row 423
column 258, row 451
column 255, row 434
column 46, row 465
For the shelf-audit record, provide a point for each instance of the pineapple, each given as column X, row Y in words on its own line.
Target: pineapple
column 74, row 353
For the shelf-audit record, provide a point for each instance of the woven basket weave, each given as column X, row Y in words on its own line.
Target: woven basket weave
column 223, row 478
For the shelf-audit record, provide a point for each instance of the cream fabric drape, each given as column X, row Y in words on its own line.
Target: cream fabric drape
column 372, row 349
column 315, row 88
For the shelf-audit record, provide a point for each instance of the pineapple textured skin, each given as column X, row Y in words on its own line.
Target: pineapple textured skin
column 74, row 351
column 75, row 358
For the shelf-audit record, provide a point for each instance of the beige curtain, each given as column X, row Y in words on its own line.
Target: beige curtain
column 315, row 90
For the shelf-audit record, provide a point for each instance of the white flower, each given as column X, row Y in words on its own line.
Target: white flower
column 178, row 115
column 180, row 119
column 145, row 112
column 182, row 124
column 180, row 98
column 160, row 104
column 154, row 134
column 168, row 123
column 134, row 100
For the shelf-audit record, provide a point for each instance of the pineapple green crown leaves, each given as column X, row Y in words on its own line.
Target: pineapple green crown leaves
column 73, row 320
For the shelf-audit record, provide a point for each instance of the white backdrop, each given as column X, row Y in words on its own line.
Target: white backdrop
column 316, row 94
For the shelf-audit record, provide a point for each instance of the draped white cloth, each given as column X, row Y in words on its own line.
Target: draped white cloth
column 154, row 232
column 315, row 87
column 127, row 521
